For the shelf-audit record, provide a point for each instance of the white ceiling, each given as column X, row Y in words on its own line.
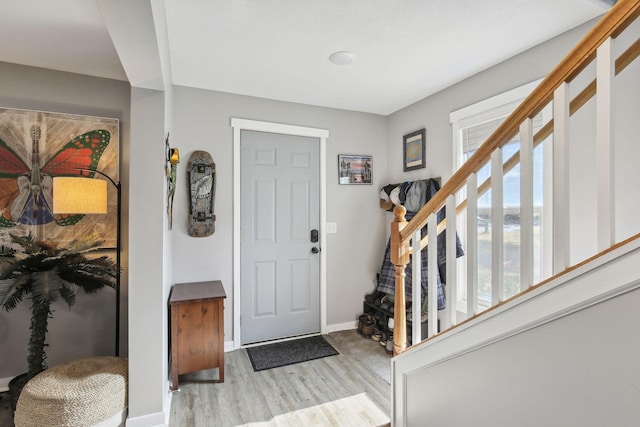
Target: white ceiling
column 404, row 50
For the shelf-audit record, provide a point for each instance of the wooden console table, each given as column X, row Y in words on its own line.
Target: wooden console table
column 197, row 328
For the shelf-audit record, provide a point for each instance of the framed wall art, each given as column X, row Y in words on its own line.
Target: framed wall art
column 37, row 146
column 414, row 150
column 355, row 169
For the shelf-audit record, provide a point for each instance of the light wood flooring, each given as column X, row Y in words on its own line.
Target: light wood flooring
column 343, row 390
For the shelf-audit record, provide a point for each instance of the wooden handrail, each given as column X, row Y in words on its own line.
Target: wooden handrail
column 614, row 22
column 626, row 58
column 623, row 61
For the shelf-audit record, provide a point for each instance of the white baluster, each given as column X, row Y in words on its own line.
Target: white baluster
column 605, row 73
column 451, row 288
column 546, row 241
column 561, row 259
column 472, row 245
column 432, row 265
column 526, row 204
column 497, row 228
column 416, row 289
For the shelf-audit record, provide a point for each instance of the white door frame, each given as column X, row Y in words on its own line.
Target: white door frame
column 239, row 125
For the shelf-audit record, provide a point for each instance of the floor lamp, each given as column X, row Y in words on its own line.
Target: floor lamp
column 86, row 195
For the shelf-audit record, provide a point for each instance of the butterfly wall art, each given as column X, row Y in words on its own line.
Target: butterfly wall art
column 37, row 146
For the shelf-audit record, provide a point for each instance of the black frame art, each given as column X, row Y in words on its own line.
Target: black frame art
column 413, row 145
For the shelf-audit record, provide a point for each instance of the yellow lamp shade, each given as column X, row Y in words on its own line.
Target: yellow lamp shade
column 77, row 195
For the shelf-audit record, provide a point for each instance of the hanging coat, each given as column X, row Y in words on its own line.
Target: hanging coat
column 387, row 280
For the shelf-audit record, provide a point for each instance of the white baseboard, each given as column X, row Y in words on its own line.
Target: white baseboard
column 117, row 420
column 156, row 419
column 228, row 346
column 4, row 383
column 342, row 326
column 167, row 403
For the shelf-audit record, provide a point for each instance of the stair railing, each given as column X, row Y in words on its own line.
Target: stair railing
column 406, row 240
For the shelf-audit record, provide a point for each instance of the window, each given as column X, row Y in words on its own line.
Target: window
column 472, row 126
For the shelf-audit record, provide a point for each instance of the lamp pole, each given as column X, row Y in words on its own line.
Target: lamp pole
column 118, row 248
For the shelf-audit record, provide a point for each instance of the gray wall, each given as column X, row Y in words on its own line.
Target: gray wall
column 202, row 121
column 88, row 328
column 433, row 112
column 584, row 158
column 579, row 370
column 149, row 276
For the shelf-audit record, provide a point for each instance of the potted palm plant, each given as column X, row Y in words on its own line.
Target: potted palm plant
column 44, row 273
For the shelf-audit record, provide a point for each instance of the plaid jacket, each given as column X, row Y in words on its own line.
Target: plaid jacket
column 387, row 277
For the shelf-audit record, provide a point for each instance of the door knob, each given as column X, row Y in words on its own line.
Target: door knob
column 315, row 250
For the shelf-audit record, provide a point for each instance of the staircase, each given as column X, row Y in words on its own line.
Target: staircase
column 564, row 350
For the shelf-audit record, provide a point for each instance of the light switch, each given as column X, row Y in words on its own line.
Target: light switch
column 332, row 227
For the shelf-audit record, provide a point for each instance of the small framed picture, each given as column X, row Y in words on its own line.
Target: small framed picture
column 414, row 150
column 355, row 169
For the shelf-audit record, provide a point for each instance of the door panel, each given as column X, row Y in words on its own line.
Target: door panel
column 280, row 286
column 264, row 289
column 300, row 298
column 299, row 203
column 265, row 211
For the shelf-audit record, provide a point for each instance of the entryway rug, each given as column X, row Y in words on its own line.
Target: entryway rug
column 285, row 353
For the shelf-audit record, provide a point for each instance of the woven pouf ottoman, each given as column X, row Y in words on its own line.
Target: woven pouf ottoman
column 82, row 393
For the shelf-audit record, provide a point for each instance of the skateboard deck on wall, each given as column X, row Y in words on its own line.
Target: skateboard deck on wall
column 202, row 191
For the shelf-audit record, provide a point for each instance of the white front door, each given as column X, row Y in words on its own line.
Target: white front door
column 279, row 216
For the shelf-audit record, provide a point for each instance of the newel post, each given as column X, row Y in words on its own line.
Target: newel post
column 400, row 259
